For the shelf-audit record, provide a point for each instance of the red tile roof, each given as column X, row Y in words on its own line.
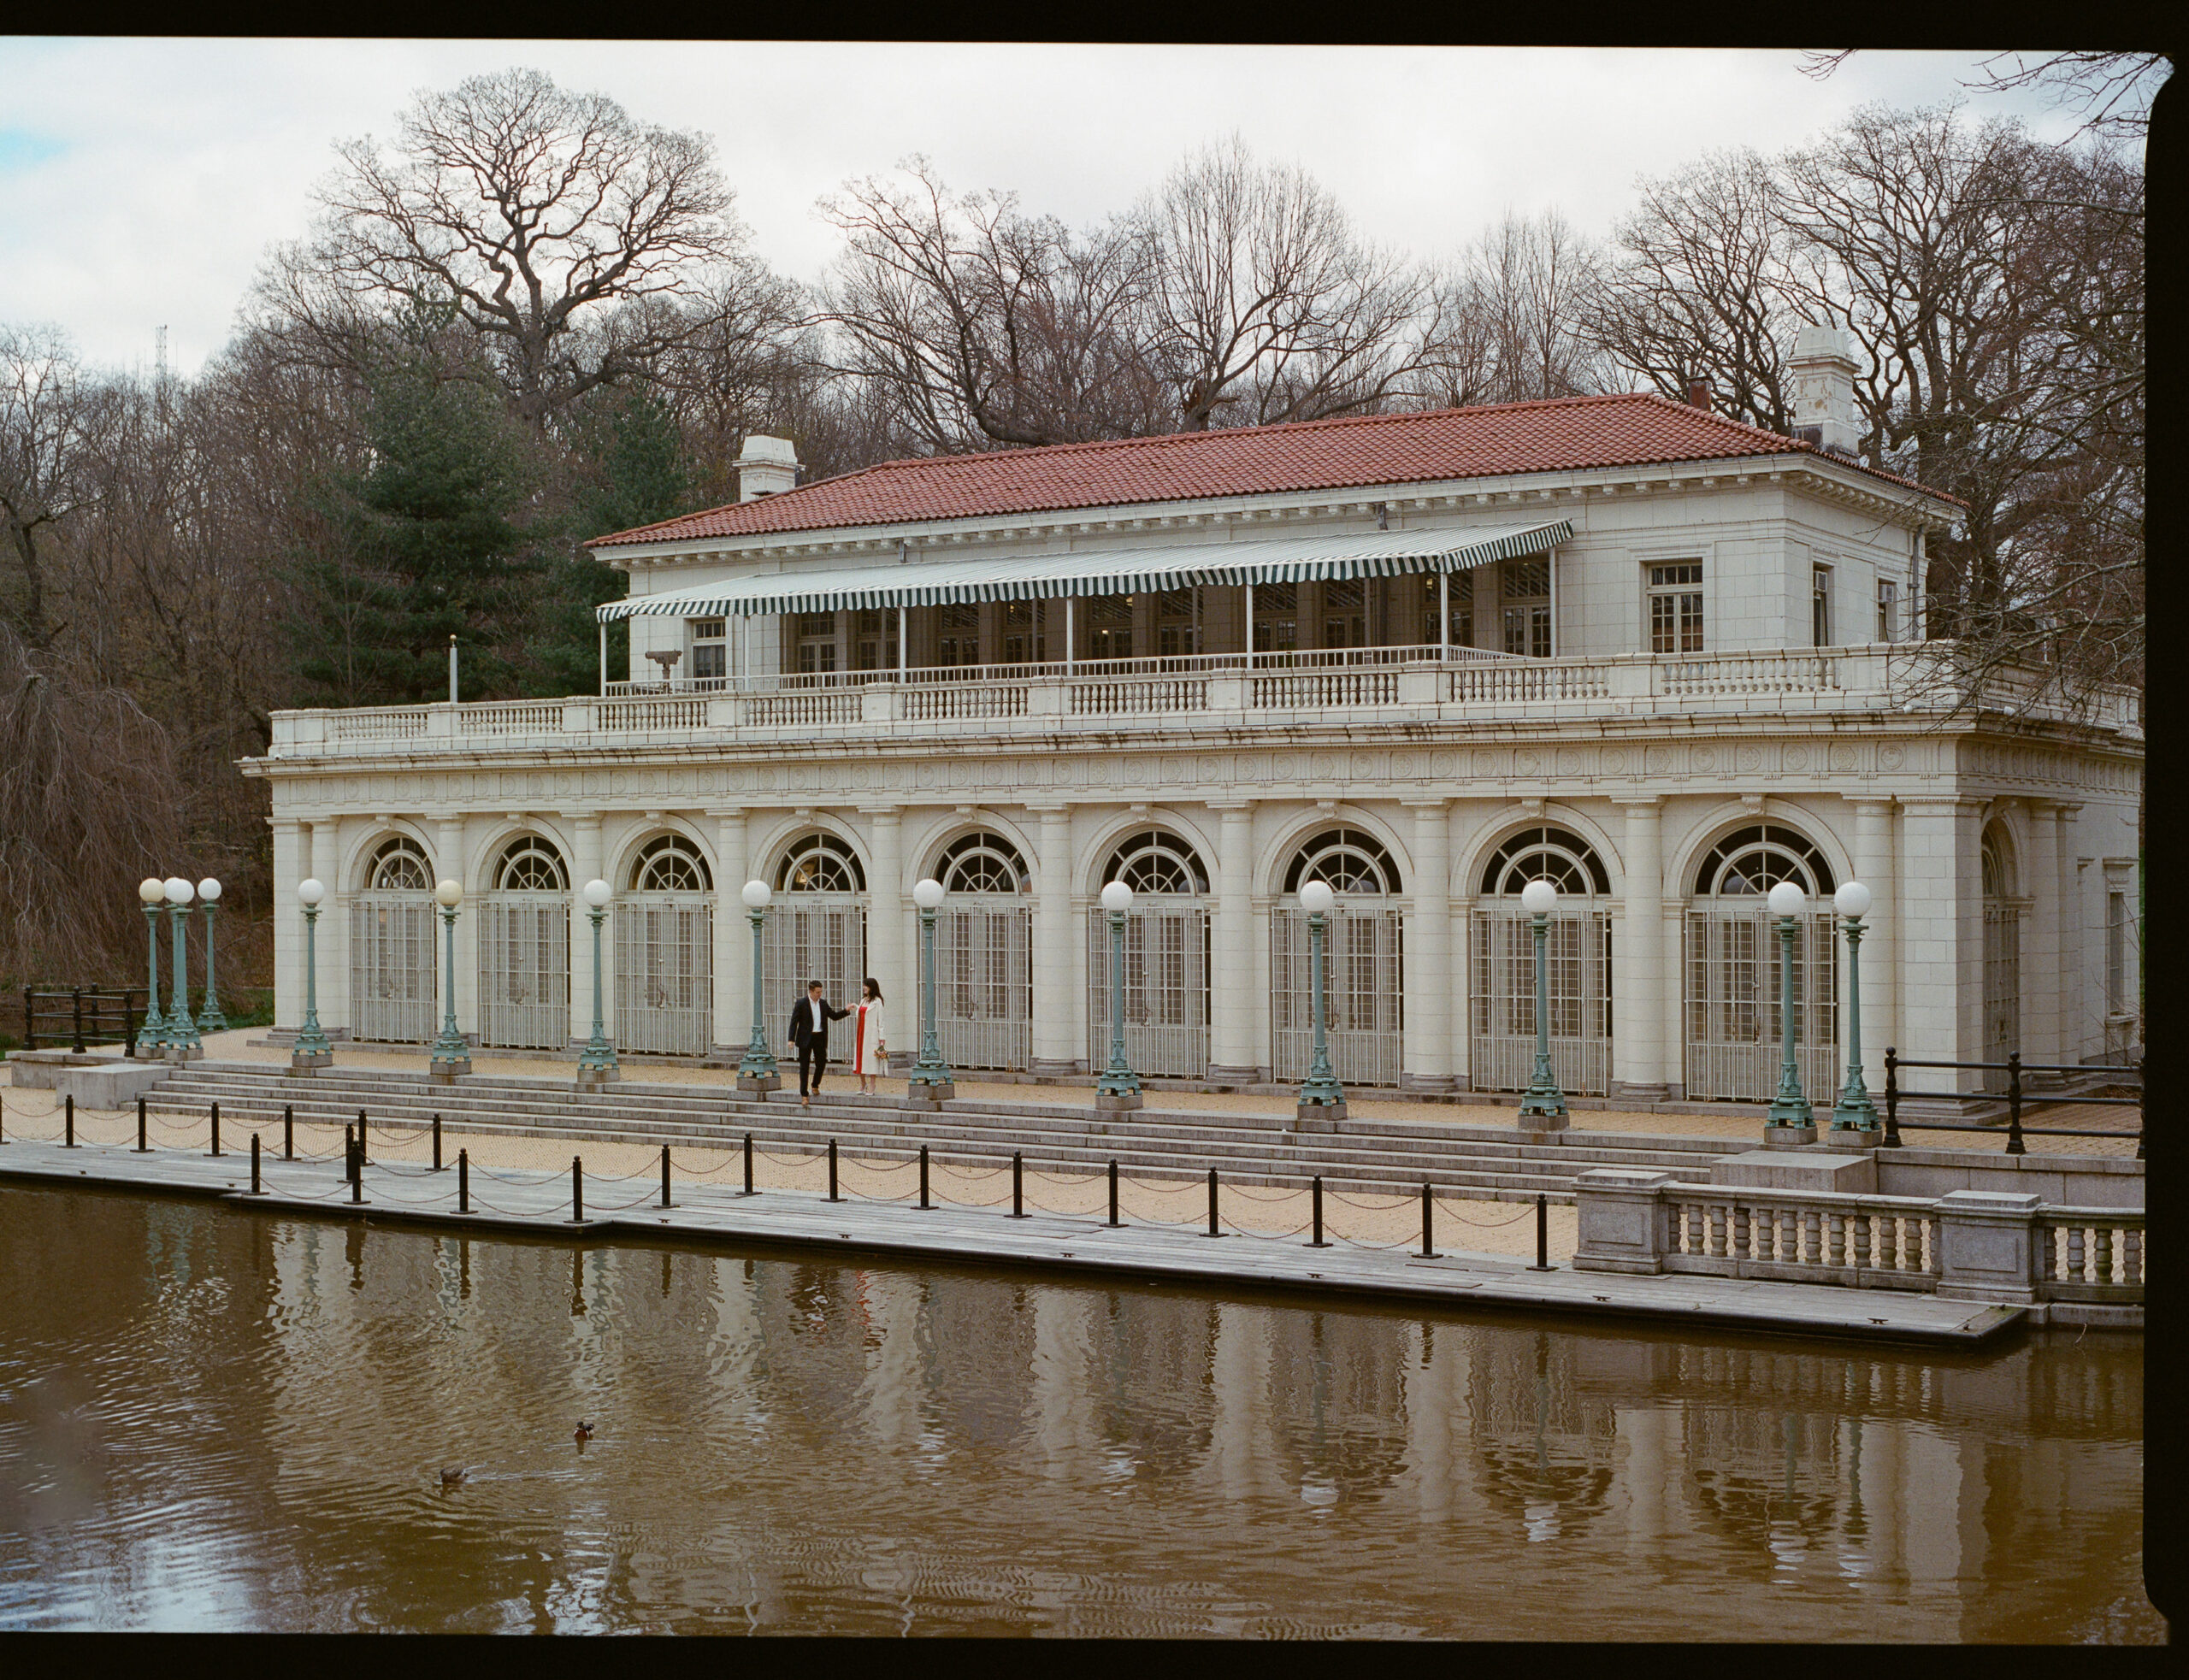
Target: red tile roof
column 1567, row 434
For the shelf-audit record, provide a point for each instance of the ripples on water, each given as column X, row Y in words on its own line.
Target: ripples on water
column 217, row 1419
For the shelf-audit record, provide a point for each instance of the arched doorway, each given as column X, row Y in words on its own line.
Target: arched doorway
column 392, row 968
column 2001, row 955
column 984, row 957
column 1167, row 958
column 1364, row 959
column 524, row 948
column 1734, row 1024
column 1577, row 953
column 665, row 951
column 816, row 930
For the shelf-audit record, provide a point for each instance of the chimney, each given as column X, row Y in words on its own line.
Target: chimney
column 767, row 467
column 1823, row 369
column 1698, row 394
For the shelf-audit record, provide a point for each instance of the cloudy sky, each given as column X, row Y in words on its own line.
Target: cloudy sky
column 144, row 179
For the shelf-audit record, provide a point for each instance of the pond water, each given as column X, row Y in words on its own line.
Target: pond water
column 211, row 1418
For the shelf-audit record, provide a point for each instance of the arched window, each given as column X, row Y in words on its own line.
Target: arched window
column 983, row 862
column 1547, row 853
column 531, row 864
column 1999, row 871
column 398, row 866
column 820, row 863
column 667, row 864
column 1346, row 859
column 1154, row 861
column 1750, row 861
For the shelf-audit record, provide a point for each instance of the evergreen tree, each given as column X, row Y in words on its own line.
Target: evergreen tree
column 428, row 548
column 640, row 476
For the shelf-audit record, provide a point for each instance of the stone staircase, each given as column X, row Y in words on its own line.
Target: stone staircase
column 1385, row 1157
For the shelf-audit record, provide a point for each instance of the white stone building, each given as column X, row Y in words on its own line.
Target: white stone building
column 1663, row 657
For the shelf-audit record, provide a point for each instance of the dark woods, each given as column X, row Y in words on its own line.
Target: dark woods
column 533, row 318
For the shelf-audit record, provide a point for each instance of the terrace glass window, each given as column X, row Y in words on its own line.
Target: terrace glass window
column 1676, row 608
column 1526, row 600
column 709, row 648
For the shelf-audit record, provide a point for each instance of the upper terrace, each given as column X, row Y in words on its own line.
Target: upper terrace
column 1406, row 689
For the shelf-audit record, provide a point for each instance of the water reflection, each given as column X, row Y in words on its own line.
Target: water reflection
column 209, row 1418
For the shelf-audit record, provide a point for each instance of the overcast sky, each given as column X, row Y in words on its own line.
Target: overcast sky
column 142, row 180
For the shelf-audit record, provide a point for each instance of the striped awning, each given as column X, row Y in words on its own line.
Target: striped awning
column 926, row 582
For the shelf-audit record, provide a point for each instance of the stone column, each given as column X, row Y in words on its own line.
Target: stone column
column 1235, row 997
column 450, row 863
column 586, row 866
column 886, row 928
column 733, row 940
column 291, row 864
column 1941, row 939
column 1056, row 1000
column 1880, row 943
column 1430, row 972
column 2041, row 975
column 2076, row 1007
column 1640, row 976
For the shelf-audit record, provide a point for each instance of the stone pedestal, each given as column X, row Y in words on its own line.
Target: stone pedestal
column 596, row 1079
column 1621, row 1220
column 1987, row 1246
column 1788, row 1136
column 1805, row 1170
column 306, row 1065
column 1109, row 1105
column 759, row 1083
column 1318, row 1116
column 928, row 1097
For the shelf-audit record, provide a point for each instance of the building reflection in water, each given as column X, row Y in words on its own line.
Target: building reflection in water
column 805, row 1442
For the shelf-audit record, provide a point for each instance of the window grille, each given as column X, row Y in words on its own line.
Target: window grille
column 820, row 863
column 1166, row 981
column 1364, row 965
column 1676, row 608
column 667, row 864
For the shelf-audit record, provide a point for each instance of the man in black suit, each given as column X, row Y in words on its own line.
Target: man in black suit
column 809, row 1031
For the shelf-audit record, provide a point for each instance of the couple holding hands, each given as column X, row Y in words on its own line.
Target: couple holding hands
column 809, row 1032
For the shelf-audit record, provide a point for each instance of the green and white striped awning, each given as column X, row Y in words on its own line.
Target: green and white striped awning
column 927, row 582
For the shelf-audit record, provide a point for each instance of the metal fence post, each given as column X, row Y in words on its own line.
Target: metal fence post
column 217, row 1127
column 1315, row 1202
column 1017, row 1186
column 1543, row 1235
column 361, row 1137
column 1891, row 1099
column 1428, row 1248
column 68, row 1123
column 254, row 1164
column 1114, row 1192
column 141, row 1147
column 464, row 1180
column 1213, row 1231
column 577, row 1190
column 437, row 1143
column 288, row 1131
column 76, row 1011
column 664, row 1175
column 749, row 1190
column 2015, row 1145
column 833, row 1196
column 923, row 1200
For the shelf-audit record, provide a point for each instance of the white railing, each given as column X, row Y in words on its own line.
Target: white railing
column 2089, row 1253
column 1467, row 683
column 1859, row 1241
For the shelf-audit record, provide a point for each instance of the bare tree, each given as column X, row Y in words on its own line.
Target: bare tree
column 54, row 421
column 1511, row 319
column 984, row 326
column 2111, row 91
column 1264, row 304
column 529, row 212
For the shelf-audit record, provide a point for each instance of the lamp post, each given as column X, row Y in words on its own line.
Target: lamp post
column 1855, row 1113
column 152, row 1035
column 210, row 1018
column 1543, row 1102
column 182, row 1032
column 1790, row 1120
column 758, row 1071
column 597, row 1066
column 931, row 1081
column 1119, row 1086
column 1322, row 1099
column 311, row 1049
column 451, row 1055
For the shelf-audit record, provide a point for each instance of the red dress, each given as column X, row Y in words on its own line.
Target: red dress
column 867, row 1040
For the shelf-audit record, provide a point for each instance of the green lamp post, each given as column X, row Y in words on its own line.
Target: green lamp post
column 1322, row 1098
column 182, row 1041
column 758, row 1071
column 152, row 1034
column 1855, row 1112
column 1790, row 1120
column 931, row 1080
column 311, row 1051
column 597, row 1066
column 451, row 1055
column 210, row 1018
column 1119, row 1086
column 1543, row 1102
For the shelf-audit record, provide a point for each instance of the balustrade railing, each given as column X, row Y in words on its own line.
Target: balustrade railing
column 2089, row 1253
column 1861, row 1241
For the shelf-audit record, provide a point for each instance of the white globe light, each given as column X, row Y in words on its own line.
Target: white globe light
column 1117, row 896
column 598, row 892
column 1539, row 898
column 178, row 890
column 928, row 894
column 756, row 895
column 449, row 894
column 210, row 890
column 310, row 890
column 151, row 889
column 1786, row 899
column 1316, row 897
column 1852, row 900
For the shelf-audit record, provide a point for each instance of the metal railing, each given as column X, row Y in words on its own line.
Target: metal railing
column 93, row 1015
column 2014, row 1067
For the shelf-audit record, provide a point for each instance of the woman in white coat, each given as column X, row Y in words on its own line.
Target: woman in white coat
column 869, row 1049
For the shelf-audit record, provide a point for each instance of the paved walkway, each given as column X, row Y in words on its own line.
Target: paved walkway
column 539, row 1203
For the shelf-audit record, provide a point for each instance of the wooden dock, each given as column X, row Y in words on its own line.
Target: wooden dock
column 538, row 1204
